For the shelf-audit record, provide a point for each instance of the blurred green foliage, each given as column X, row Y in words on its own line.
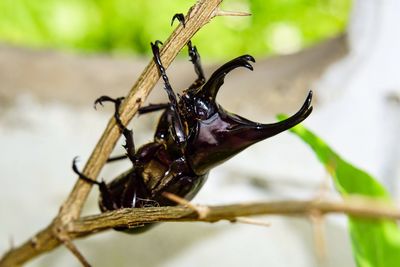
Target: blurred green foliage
column 128, row 26
column 375, row 242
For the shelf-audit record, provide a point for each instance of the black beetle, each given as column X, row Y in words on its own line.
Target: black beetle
column 194, row 135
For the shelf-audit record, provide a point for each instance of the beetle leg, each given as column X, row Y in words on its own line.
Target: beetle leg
column 152, row 108
column 107, row 199
column 116, row 158
column 128, row 134
column 177, row 125
column 142, row 110
column 193, row 55
column 195, row 59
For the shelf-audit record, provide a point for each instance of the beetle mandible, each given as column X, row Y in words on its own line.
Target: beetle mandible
column 194, row 135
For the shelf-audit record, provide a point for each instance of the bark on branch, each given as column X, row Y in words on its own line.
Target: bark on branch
column 355, row 206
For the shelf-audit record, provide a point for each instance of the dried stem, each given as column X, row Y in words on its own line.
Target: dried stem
column 200, row 14
column 359, row 207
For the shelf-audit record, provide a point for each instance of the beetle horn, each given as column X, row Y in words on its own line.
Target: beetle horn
column 226, row 134
column 211, row 87
column 278, row 127
column 251, row 132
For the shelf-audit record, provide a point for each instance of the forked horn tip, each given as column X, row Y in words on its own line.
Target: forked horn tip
column 249, row 58
column 309, row 98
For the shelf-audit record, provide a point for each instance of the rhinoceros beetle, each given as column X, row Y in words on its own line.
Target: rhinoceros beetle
column 194, row 135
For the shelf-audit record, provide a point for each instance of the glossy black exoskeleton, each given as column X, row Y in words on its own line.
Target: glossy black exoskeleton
column 194, row 135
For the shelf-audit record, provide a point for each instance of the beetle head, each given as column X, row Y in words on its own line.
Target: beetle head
column 215, row 134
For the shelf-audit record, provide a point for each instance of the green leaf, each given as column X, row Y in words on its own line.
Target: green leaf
column 121, row 26
column 376, row 243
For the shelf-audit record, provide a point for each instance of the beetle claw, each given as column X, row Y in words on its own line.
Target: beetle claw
column 156, row 44
column 99, row 101
column 105, row 98
column 156, row 53
column 180, row 17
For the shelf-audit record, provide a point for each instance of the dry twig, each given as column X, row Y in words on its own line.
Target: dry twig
column 359, row 207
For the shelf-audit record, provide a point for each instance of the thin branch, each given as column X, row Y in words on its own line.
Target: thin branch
column 318, row 227
column 200, row 14
column 246, row 220
column 354, row 206
column 359, row 207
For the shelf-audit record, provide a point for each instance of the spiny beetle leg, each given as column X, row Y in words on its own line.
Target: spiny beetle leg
column 195, row 59
column 157, row 59
column 107, row 201
column 180, row 17
column 152, row 108
column 128, row 134
column 81, row 175
column 116, row 158
column 141, row 111
column 193, row 54
column 177, row 125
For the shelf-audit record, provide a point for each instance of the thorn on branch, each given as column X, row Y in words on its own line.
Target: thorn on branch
column 62, row 234
column 74, row 250
column 317, row 223
column 252, row 221
column 225, row 13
